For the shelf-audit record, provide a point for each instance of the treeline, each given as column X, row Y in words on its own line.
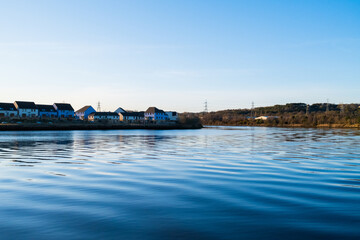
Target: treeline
column 291, row 115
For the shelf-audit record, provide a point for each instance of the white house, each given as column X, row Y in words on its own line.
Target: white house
column 131, row 116
column 265, row 117
column 8, row 110
column 104, row 116
column 46, row 111
column 173, row 116
column 84, row 112
column 64, row 110
column 26, row 109
column 153, row 113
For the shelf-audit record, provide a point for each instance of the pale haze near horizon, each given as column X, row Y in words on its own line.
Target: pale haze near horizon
column 176, row 54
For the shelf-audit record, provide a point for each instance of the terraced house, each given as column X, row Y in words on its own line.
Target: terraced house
column 131, row 116
column 104, row 116
column 26, row 109
column 8, row 110
column 46, row 111
column 153, row 113
column 64, row 110
column 83, row 113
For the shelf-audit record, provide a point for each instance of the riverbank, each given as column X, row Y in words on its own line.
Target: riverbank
column 93, row 126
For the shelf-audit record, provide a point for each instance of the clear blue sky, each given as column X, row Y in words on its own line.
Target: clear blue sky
column 176, row 54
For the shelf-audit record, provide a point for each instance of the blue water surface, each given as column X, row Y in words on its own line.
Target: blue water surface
column 213, row 183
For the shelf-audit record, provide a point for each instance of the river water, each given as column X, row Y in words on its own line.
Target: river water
column 213, row 183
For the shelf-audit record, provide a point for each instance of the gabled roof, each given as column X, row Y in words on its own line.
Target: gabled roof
column 83, row 109
column 45, row 108
column 7, row 106
column 120, row 110
column 25, row 105
column 64, row 106
column 104, row 114
column 153, row 110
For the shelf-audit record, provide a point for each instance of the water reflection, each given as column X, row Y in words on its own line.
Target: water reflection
column 252, row 183
column 26, row 149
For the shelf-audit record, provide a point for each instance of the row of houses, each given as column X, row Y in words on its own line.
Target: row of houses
column 30, row 110
column 152, row 113
column 21, row 109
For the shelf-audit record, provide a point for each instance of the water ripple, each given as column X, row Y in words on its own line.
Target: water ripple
column 214, row 183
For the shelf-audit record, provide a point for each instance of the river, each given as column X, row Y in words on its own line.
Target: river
column 212, row 183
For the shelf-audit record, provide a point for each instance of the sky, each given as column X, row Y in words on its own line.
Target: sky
column 176, row 54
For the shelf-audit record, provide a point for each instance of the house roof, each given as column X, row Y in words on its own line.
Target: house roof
column 64, row 106
column 133, row 114
column 154, row 110
column 7, row 106
column 120, row 110
column 26, row 105
column 45, row 108
column 104, row 114
column 83, row 109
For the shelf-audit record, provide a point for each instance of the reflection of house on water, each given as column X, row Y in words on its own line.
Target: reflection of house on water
column 75, row 147
column 27, row 149
column 153, row 141
column 145, row 146
column 116, row 143
column 150, row 141
column 85, row 140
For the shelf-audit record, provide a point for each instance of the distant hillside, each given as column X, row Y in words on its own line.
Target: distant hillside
column 291, row 114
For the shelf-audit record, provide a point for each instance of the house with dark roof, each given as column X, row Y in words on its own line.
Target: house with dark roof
column 26, row 109
column 64, row 110
column 132, row 116
column 46, row 111
column 84, row 112
column 103, row 116
column 153, row 113
column 8, row 110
